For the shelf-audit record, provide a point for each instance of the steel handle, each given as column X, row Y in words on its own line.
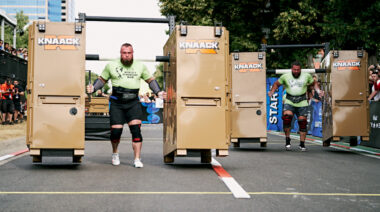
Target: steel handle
column 89, row 83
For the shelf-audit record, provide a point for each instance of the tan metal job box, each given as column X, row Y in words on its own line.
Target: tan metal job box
column 56, row 90
column 196, row 113
column 97, row 105
column 248, row 113
column 345, row 105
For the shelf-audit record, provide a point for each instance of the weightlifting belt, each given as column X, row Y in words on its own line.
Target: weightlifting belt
column 296, row 99
column 123, row 95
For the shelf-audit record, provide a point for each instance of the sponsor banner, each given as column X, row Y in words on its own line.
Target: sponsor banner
column 274, row 106
column 374, row 121
column 202, row 46
column 151, row 114
column 316, row 123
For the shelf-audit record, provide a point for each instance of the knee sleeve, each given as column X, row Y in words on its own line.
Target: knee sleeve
column 302, row 123
column 136, row 133
column 116, row 134
column 287, row 121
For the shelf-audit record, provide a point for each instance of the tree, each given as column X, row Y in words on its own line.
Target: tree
column 159, row 75
column 345, row 24
column 21, row 40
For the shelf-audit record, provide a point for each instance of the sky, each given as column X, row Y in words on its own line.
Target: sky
column 105, row 38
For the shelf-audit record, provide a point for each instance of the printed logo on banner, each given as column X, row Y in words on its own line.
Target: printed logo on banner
column 273, row 111
column 353, row 65
column 202, row 46
column 274, row 106
column 251, row 67
column 63, row 42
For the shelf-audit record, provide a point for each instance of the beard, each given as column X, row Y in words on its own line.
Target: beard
column 126, row 62
column 296, row 75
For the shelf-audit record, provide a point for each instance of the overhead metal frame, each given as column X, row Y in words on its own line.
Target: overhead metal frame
column 82, row 17
column 99, row 58
column 325, row 46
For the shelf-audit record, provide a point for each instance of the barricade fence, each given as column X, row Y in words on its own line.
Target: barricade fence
column 13, row 67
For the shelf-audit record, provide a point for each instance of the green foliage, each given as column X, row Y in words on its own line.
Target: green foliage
column 349, row 24
column 345, row 24
column 21, row 40
column 296, row 26
column 241, row 17
column 159, row 75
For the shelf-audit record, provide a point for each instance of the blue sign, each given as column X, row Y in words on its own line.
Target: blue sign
column 274, row 112
column 274, row 106
column 151, row 114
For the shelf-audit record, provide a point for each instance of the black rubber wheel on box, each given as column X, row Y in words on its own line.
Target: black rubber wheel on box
column 206, row 156
column 77, row 159
column 169, row 158
column 353, row 141
column 327, row 143
column 37, row 159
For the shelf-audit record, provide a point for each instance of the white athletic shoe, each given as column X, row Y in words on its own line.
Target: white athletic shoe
column 288, row 147
column 303, row 149
column 137, row 163
column 115, row 159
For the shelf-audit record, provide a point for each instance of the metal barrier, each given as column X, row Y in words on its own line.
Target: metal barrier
column 13, row 67
column 374, row 121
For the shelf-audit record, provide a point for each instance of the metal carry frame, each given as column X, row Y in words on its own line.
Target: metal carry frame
column 325, row 46
column 82, row 17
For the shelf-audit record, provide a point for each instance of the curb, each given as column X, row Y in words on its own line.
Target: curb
column 335, row 146
column 5, row 157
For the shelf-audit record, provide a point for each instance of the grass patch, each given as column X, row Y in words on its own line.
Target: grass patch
column 12, row 131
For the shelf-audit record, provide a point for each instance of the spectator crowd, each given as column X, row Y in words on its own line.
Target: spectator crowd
column 374, row 83
column 20, row 52
column 12, row 102
column 147, row 97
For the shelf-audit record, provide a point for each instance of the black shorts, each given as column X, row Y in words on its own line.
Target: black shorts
column 17, row 106
column 121, row 113
column 7, row 106
column 298, row 111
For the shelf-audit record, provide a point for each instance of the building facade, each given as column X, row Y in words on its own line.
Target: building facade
column 52, row 10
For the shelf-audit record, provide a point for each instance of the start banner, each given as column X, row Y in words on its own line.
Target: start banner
column 274, row 106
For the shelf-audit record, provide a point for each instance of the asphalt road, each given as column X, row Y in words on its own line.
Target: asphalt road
column 321, row 179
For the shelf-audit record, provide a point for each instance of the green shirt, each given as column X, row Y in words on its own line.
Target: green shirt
column 124, row 76
column 296, row 86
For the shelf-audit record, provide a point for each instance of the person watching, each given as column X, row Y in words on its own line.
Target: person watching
column 375, row 90
column 7, row 105
column 18, row 93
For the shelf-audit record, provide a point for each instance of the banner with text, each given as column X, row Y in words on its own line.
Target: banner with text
column 274, row 106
